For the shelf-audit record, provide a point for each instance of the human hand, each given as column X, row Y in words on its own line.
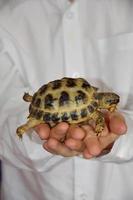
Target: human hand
column 55, row 136
column 82, row 140
column 97, row 146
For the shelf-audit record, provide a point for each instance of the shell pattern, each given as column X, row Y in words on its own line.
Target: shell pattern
column 68, row 99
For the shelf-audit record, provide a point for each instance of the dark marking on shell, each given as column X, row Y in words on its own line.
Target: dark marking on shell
column 74, row 115
column 65, row 117
column 43, row 89
column 81, row 97
column 37, row 102
column 34, row 98
column 30, row 108
column 55, row 117
column 64, row 98
column 71, row 82
column 56, row 84
column 39, row 114
column 91, row 109
column 86, row 85
column 47, row 117
column 48, row 102
column 34, row 112
column 94, row 104
column 84, row 112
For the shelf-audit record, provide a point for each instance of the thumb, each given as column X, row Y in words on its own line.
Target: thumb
column 117, row 123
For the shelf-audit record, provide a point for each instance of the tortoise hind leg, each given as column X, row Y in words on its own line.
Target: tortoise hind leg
column 31, row 123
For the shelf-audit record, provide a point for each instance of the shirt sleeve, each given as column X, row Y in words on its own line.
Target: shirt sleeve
column 122, row 150
column 27, row 153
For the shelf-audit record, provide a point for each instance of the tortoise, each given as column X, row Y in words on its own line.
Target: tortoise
column 71, row 100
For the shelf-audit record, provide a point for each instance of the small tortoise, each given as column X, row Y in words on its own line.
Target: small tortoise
column 71, row 100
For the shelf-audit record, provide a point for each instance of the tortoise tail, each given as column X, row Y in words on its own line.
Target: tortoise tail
column 27, row 97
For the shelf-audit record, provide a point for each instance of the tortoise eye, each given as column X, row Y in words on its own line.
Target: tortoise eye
column 108, row 100
column 111, row 101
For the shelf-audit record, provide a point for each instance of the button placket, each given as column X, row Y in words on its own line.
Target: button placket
column 70, row 15
column 79, row 189
column 72, row 42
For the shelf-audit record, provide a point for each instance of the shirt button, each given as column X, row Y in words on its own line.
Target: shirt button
column 83, row 197
column 76, row 75
column 70, row 15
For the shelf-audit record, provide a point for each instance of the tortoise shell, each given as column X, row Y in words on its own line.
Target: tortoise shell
column 69, row 100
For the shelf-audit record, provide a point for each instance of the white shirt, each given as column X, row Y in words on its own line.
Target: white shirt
column 42, row 40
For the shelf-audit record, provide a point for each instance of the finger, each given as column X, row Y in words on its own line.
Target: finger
column 93, row 146
column 76, row 132
column 91, row 141
column 45, row 146
column 117, row 123
column 86, row 154
column 75, row 145
column 89, row 130
column 55, row 147
column 43, row 130
column 59, row 131
column 107, row 140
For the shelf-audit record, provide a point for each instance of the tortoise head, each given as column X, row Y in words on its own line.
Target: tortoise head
column 107, row 100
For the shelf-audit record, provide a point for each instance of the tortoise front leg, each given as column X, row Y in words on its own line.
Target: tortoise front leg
column 112, row 108
column 98, row 117
column 31, row 123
